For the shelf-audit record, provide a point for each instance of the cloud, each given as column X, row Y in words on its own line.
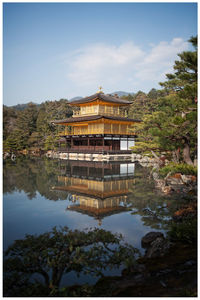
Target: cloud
column 124, row 67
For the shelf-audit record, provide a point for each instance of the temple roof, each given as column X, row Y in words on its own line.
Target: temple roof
column 92, row 118
column 91, row 193
column 98, row 212
column 100, row 96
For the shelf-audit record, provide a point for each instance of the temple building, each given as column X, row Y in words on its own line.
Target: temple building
column 99, row 125
column 97, row 189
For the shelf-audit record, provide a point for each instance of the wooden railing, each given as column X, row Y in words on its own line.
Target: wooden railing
column 93, row 150
column 63, row 133
column 98, row 129
column 100, row 110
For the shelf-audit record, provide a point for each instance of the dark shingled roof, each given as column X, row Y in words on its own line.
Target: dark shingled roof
column 92, row 118
column 101, row 96
column 95, row 212
column 90, row 193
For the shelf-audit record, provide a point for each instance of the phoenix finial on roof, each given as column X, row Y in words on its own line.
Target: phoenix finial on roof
column 100, row 90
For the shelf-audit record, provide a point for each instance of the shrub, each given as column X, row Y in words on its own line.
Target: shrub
column 178, row 168
column 185, row 231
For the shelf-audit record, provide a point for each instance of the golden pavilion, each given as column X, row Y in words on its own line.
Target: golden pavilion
column 99, row 124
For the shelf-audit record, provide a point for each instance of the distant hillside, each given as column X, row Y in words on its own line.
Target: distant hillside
column 122, row 93
column 76, row 98
column 118, row 93
column 22, row 106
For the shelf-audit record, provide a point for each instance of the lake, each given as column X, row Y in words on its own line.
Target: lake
column 120, row 197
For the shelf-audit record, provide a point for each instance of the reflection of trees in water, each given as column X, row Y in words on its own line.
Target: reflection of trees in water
column 20, row 176
column 155, row 208
column 36, row 174
column 32, row 175
column 58, row 252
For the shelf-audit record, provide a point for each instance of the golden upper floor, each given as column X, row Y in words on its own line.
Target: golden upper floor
column 100, row 104
column 99, row 109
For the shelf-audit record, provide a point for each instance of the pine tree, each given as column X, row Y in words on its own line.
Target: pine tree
column 173, row 126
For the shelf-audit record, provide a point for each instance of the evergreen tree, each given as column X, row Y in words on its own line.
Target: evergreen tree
column 173, row 126
column 184, row 79
column 30, row 126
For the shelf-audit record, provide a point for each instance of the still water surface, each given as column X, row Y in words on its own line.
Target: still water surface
column 121, row 197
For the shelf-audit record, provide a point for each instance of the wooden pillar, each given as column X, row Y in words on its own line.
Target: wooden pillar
column 88, row 171
column 103, row 171
column 112, row 144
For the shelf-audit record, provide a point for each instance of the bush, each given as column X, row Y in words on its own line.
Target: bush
column 185, row 231
column 178, row 168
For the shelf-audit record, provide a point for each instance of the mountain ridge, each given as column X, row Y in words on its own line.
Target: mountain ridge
column 24, row 105
column 118, row 93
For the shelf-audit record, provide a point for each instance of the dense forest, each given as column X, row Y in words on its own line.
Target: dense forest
column 29, row 126
column 169, row 116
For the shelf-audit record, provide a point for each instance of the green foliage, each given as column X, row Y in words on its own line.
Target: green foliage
column 58, row 252
column 32, row 175
column 185, row 231
column 51, row 142
column 9, row 120
column 185, row 74
column 49, row 111
column 141, row 104
column 29, row 126
column 174, row 168
column 171, row 123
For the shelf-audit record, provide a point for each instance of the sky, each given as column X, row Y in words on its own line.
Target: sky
column 63, row 50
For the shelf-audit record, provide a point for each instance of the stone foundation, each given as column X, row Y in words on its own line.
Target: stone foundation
column 91, row 157
column 143, row 160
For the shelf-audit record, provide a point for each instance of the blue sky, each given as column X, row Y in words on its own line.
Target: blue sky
column 63, row 50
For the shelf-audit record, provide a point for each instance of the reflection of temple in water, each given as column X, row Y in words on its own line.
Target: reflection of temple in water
column 97, row 189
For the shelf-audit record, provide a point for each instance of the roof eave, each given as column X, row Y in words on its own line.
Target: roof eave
column 100, row 96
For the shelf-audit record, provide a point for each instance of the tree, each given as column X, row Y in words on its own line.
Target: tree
column 29, row 125
column 26, row 121
column 184, row 79
column 9, row 120
column 49, row 111
column 58, row 252
column 173, row 126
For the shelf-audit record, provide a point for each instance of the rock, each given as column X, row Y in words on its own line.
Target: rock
column 176, row 175
column 188, row 179
column 138, row 156
column 158, row 248
column 162, row 161
column 6, row 155
column 155, row 175
column 190, row 263
column 186, row 212
column 160, row 183
column 150, row 237
column 166, row 189
column 13, row 156
column 174, row 181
